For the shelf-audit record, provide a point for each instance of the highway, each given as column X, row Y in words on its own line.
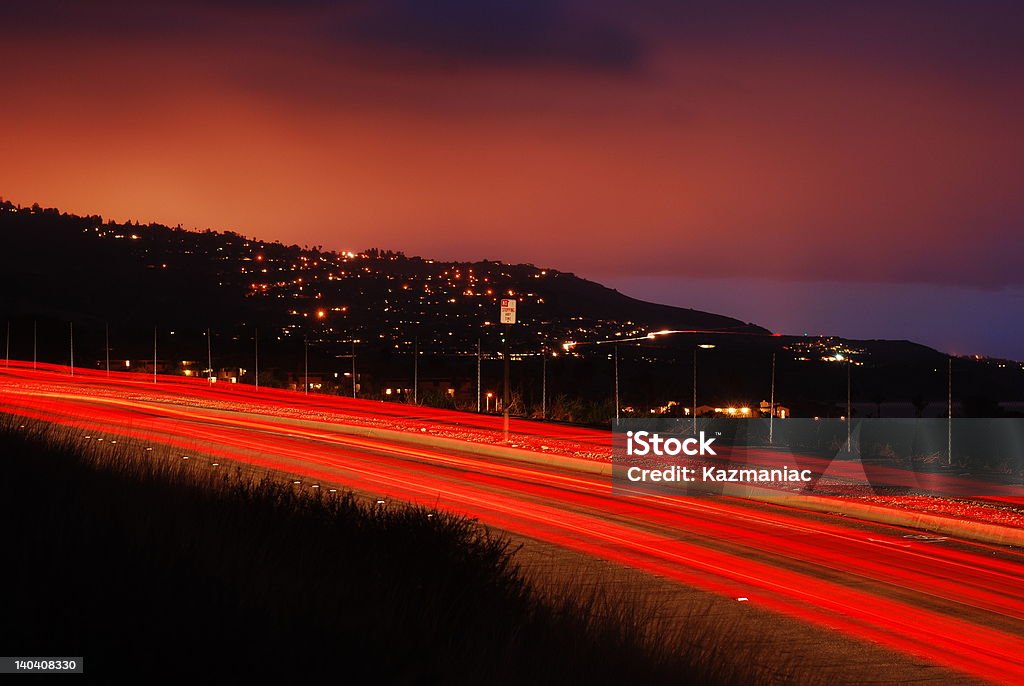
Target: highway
column 956, row 604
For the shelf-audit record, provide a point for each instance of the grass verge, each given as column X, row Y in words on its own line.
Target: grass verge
column 149, row 564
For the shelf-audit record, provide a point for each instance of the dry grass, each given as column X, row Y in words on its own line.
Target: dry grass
column 144, row 562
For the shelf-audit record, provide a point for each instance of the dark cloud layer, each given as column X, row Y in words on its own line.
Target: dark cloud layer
column 980, row 37
column 876, row 142
column 467, row 32
column 498, row 31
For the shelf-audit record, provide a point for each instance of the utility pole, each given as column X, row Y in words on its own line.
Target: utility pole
column 478, row 389
column 616, row 382
column 106, row 340
column 771, row 407
column 154, row 354
column 694, row 417
column 543, row 383
column 256, row 343
column 949, row 414
column 849, row 404
column 72, row 325
column 415, row 371
column 706, row 346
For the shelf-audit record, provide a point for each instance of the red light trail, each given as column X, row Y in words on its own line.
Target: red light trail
column 954, row 603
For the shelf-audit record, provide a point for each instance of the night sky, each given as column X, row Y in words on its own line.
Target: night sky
column 854, row 168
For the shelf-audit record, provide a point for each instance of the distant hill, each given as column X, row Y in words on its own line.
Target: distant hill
column 68, row 265
column 117, row 282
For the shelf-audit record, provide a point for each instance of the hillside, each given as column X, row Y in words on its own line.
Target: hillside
column 67, row 265
column 119, row 284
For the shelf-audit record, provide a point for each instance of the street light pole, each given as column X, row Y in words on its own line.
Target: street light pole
column 305, row 368
column 849, row 404
column 478, row 388
column 353, row 368
column 72, row 325
column 415, row 371
column 544, row 383
column 106, row 340
column 706, row 346
column 949, row 415
column 694, row 417
column 209, row 353
column 35, row 340
column 7, row 356
column 154, row 354
column 569, row 345
column 256, row 343
column 616, row 382
column 771, row 407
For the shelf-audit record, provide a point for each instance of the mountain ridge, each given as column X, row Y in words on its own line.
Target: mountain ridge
column 221, row 265
column 123, row 285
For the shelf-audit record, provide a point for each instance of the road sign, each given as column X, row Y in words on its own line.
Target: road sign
column 508, row 311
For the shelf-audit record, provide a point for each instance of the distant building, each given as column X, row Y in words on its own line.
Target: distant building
column 781, row 411
column 704, row 411
column 228, row 375
column 461, row 390
column 142, row 366
column 323, row 382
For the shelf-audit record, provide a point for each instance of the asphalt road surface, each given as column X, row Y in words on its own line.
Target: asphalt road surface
column 955, row 604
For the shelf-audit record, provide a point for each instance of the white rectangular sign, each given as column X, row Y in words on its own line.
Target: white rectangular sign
column 508, row 311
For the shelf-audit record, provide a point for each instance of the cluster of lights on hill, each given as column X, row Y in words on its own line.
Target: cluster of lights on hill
column 827, row 349
column 342, row 296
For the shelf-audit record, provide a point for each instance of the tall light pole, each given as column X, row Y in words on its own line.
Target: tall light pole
column 352, row 372
column 478, row 389
column 849, row 403
column 694, row 417
column 949, row 414
column 415, row 371
column 209, row 353
column 7, row 356
column 35, row 340
column 771, row 407
column 154, row 354
column 305, row 373
column 544, row 383
column 705, row 346
column 106, row 341
column 570, row 345
column 72, row 325
column 616, row 382
column 256, row 344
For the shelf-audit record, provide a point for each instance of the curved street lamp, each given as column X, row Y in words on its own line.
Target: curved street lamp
column 569, row 345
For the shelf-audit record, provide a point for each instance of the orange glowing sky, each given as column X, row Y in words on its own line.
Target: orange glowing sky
column 677, row 141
